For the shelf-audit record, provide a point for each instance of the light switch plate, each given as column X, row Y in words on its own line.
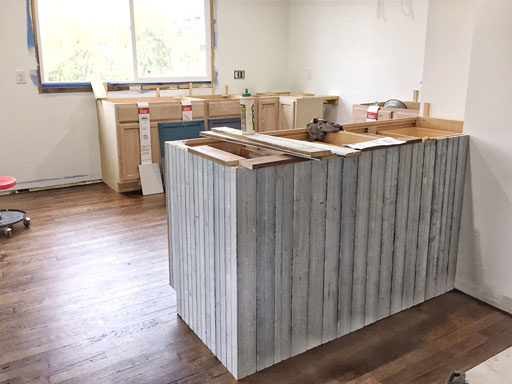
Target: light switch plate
column 239, row 74
column 309, row 73
column 21, row 76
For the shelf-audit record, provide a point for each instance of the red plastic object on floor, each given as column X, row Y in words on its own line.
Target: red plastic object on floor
column 7, row 182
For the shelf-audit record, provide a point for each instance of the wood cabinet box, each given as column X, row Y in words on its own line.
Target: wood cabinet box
column 119, row 135
column 359, row 112
column 298, row 111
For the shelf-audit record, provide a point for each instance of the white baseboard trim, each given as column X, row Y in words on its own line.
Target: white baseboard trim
column 502, row 302
column 41, row 185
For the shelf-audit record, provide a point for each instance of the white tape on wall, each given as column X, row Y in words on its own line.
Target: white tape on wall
column 145, row 133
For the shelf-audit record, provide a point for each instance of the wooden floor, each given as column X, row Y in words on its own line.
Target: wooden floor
column 84, row 298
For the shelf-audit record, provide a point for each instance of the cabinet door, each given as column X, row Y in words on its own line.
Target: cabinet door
column 178, row 130
column 307, row 109
column 231, row 122
column 129, row 150
column 267, row 114
column 287, row 113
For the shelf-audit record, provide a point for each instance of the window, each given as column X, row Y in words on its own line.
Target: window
column 123, row 41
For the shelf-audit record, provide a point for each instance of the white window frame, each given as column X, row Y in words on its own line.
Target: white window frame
column 136, row 78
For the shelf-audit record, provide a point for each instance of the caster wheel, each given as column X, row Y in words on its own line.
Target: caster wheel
column 7, row 232
column 26, row 222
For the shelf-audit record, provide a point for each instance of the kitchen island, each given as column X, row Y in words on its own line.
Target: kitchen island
column 271, row 260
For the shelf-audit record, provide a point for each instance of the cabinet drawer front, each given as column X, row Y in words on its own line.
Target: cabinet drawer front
column 127, row 113
column 231, row 122
column 221, row 108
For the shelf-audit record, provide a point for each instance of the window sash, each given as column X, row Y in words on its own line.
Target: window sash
column 136, row 79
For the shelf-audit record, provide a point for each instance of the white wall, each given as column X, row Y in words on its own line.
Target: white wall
column 485, row 255
column 354, row 53
column 447, row 52
column 53, row 139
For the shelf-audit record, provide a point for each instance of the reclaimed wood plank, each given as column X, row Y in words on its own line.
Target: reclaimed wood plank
column 374, row 236
column 316, row 252
column 222, row 263
column 210, row 253
column 265, row 257
column 246, row 271
column 435, row 218
column 361, row 239
column 388, row 232
column 347, row 235
column 332, row 249
column 268, row 161
column 402, row 204
column 217, row 256
column 424, row 223
column 462, row 159
column 233, row 268
column 453, row 146
column 413, row 215
column 227, row 263
column 301, row 220
column 284, row 204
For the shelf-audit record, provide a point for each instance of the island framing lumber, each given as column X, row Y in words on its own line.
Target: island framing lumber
column 268, row 263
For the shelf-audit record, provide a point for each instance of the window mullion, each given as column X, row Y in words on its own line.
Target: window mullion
column 134, row 43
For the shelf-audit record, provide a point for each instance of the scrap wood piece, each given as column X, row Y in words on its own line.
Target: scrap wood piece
column 276, row 142
column 268, row 161
column 217, row 155
column 241, row 140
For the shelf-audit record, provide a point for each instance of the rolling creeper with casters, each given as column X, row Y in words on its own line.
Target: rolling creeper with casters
column 9, row 217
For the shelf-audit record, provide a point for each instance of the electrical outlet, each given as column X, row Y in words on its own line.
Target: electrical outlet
column 21, row 76
column 239, row 74
column 309, row 73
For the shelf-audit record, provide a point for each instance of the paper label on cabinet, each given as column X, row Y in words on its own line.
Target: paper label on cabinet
column 145, row 133
column 372, row 113
column 186, row 110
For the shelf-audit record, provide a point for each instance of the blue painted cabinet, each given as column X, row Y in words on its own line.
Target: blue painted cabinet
column 178, row 130
column 232, row 122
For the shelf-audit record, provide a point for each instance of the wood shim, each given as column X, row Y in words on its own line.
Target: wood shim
column 277, row 142
column 217, row 155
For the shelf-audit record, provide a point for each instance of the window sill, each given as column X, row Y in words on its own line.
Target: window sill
column 86, row 87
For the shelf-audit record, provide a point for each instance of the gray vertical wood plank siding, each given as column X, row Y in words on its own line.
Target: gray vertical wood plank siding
column 402, row 205
column 347, row 234
column 424, row 225
column 210, row 251
column 388, row 232
column 265, row 273
column 271, row 262
column 300, row 261
column 227, row 264
column 445, row 249
column 413, row 214
column 374, row 236
column 441, row 267
column 316, row 252
column 286, row 257
column 246, row 271
column 435, row 218
column 457, row 209
column 332, row 249
column 361, row 239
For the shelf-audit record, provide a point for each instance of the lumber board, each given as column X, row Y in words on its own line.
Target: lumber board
column 267, row 161
column 217, row 155
column 276, row 142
